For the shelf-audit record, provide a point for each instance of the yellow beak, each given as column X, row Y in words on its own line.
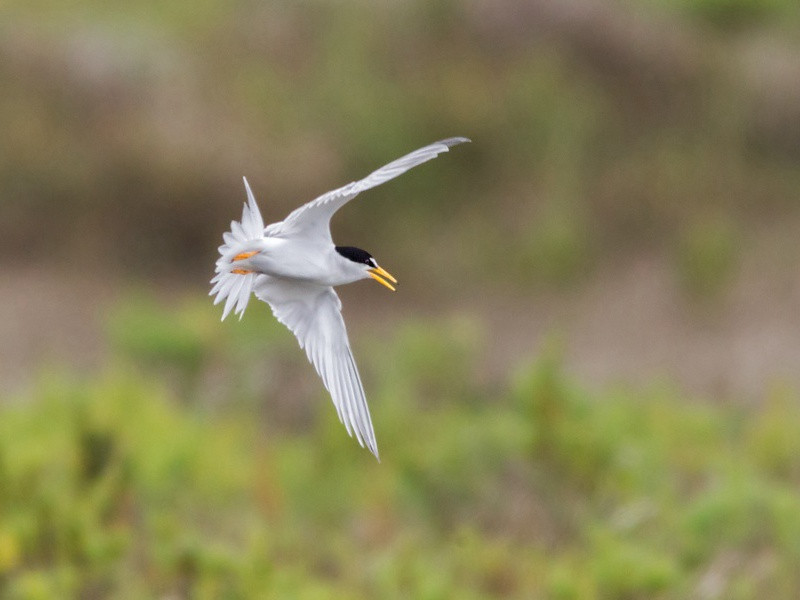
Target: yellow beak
column 381, row 276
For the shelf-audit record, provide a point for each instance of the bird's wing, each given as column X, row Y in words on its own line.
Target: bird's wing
column 313, row 313
column 313, row 219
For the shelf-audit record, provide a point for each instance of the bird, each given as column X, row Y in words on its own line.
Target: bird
column 293, row 265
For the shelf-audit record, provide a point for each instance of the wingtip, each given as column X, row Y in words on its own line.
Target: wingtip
column 373, row 448
column 454, row 141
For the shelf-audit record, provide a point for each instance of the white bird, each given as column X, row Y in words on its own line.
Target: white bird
column 293, row 266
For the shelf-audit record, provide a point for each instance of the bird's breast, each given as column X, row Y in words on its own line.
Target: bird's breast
column 292, row 260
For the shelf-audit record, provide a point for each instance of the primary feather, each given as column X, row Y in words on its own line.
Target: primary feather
column 313, row 313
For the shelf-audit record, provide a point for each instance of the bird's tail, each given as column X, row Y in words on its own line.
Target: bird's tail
column 232, row 284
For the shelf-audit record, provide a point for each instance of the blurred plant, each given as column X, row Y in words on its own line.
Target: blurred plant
column 708, row 255
column 773, row 447
column 734, row 14
column 527, row 487
column 180, row 341
column 186, row 342
column 557, row 250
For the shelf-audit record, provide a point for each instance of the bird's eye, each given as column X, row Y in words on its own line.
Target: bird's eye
column 371, row 262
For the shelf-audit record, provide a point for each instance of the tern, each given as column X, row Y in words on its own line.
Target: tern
column 293, row 266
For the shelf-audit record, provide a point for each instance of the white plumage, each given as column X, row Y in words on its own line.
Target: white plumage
column 293, row 265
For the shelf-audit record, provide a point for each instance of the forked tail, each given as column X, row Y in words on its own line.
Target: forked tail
column 232, row 284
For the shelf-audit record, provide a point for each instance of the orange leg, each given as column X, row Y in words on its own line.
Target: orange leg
column 243, row 256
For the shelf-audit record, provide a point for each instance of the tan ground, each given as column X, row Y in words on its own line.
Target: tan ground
column 630, row 324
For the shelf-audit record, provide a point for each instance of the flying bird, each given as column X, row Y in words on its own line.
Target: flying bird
column 293, row 266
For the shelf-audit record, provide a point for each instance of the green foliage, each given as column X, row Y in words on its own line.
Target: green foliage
column 534, row 487
column 139, row 330
column 735, row 14
column 708, row 256
column 557, row 251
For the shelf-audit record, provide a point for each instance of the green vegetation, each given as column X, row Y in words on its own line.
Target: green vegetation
column 734, row 14
column 119, row 485
column 707, row 257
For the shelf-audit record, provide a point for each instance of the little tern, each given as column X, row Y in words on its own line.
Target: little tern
column 293, row 266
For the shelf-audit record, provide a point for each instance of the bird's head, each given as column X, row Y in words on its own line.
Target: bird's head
column 367, row 265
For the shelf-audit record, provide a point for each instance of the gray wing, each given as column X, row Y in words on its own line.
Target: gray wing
column 313, row 313
column 313, row 219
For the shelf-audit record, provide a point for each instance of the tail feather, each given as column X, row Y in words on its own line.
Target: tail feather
column 236, row 288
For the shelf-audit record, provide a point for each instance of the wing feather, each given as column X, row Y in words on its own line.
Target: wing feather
column 312, row 312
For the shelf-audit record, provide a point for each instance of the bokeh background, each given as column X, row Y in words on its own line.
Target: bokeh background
column 585, row 387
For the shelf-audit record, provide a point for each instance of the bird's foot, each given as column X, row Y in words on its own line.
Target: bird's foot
column 243, row 256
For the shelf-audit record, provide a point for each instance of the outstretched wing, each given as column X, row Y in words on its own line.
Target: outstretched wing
column 313, row 313
column 313, row 219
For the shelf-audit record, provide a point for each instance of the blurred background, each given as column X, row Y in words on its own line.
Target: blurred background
column 585, row 387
